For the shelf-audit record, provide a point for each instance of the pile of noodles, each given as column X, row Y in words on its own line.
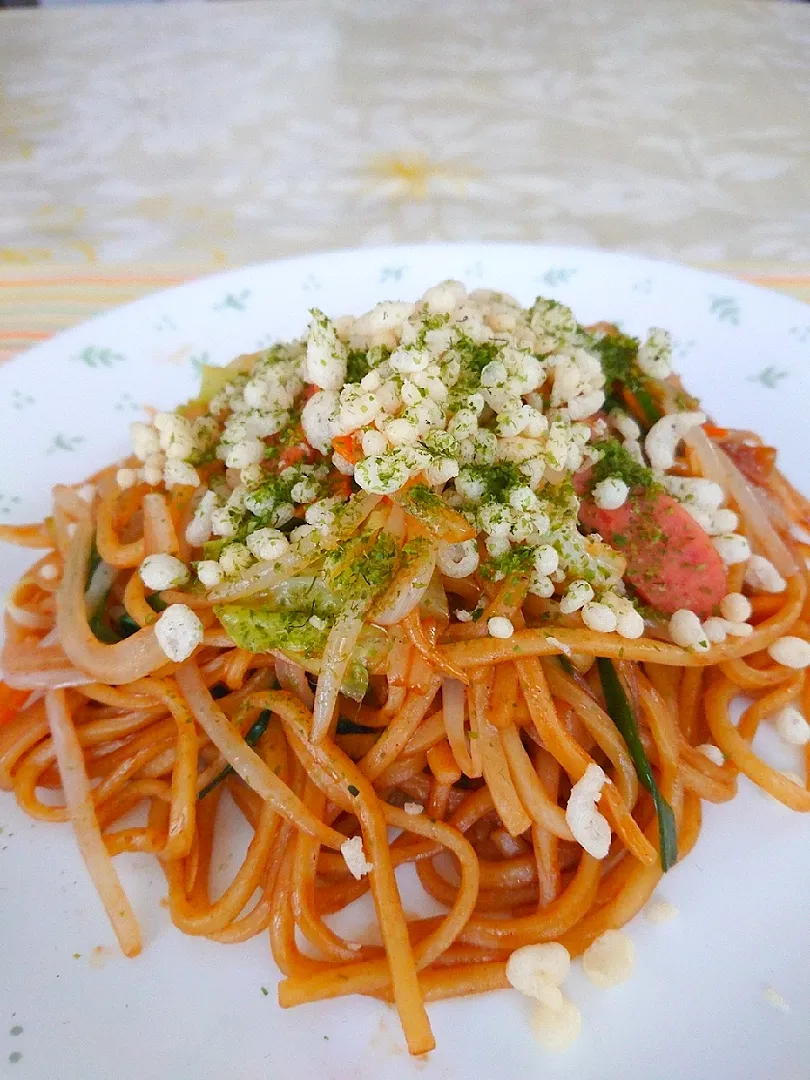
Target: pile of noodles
column 480, row 738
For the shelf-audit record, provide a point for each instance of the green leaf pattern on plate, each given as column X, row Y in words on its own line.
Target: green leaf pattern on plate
column 95, row 357
column 726, row 308
column 67, row 443
column 20, row 400
column 557, row 275
column 126, row 403
column 233, row 301
column 7, row 503
column 391, row 273
column 770, row 376
column 680, row 349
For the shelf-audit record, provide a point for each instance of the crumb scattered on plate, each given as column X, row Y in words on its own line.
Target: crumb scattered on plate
column 774, row 998
column 99, row 955
column 556, row 1028
column 610, row 959
column 659, row 910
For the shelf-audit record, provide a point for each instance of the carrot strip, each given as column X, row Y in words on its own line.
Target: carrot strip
column 346, row 446
column 412, row 625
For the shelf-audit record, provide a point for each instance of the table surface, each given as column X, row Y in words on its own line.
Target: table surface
column 230, row 132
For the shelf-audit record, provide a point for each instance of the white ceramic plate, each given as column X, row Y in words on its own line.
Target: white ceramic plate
column 188, row 1009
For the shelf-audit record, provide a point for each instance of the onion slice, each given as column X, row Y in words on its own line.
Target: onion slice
column 293, row 678
column 245, row 761
column 79, row 803
column 717, row 466
column 454, row 695
column 22, row 615
column 123, row 662
column 159, row 535
column 40, row 666
column 433, row 514
column 263, row 576
column 100, row 584
column 37, row 679
column 407, row 589
column 336, row 654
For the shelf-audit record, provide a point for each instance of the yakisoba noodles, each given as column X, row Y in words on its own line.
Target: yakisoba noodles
column 454, row 578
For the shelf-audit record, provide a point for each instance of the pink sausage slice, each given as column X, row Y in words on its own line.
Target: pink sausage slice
column 671, row 562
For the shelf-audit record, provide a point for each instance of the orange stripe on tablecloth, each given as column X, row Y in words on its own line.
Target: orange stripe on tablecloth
column 39, row 282
column 774, row 279
column 26, row 335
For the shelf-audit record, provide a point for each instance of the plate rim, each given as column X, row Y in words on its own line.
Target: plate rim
column 391, row 250
column 695, row 274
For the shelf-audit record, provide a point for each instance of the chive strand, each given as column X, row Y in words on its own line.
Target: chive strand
column 622, row 716
column 253, row 735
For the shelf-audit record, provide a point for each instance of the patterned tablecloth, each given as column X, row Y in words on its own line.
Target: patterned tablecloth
column 234, row 132
column 141, row 146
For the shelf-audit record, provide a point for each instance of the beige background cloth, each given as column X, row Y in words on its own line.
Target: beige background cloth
column 224, row 133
